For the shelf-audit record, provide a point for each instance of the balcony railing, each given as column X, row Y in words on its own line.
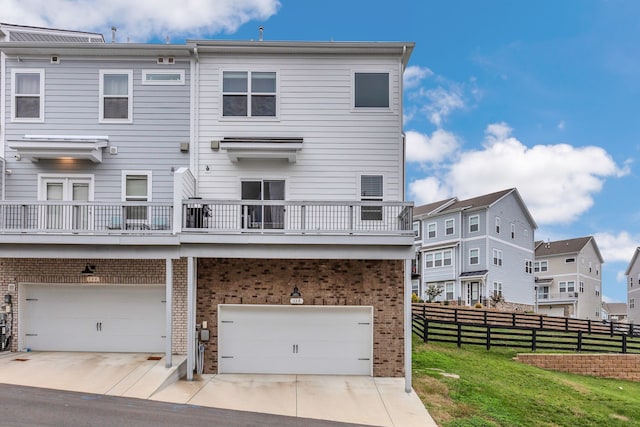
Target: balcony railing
column 85, row 217
column 555, row 296
column 330, row 217
column 208, row 216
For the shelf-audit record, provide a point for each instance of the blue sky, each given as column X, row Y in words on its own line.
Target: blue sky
column 538, row 95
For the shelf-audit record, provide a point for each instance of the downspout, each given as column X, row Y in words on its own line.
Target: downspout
column 3, row 89
column 195, row 121
column 408, row 333
column 168, row 311
column 402, row 134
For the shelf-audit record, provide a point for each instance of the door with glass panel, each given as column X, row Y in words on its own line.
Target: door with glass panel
column 66, row 216
column 261, row 215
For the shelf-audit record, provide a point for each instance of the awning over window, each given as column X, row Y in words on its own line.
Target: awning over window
column 261, row 148
column 481, row 274
column 36, row 147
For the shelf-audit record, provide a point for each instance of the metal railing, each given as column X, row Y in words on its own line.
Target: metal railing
column 306, row 217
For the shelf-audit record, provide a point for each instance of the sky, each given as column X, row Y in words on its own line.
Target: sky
column 540, row 95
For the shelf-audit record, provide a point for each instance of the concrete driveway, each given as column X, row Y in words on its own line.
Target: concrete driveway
column 352, row 399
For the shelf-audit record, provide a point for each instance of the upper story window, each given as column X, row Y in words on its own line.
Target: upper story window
column 498, row 225
column 474, row 256
column 371, row 188
column 28, row 95
column 416, row 228
column 248, row 94
column 632, row 303
column 474, row 224
column 371, row 90
column 569, row 260
column 513, row 231
column 449, row 227
column 438, row 259
column 540, row 266
column 136, row 187
column 116, row 96
column 569, row 286
column 497, row 257
column 431, row 230
column 528, row 266
column 163, row 77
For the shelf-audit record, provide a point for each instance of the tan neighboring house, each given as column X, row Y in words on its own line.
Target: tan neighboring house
column 568, row 278
column 633, row 288
column 615, row 312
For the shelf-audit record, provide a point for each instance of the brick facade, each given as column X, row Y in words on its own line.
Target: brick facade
column 322, row 282
column 619, row 366
column 17, row 271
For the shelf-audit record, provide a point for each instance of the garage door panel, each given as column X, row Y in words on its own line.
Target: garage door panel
column 295, row 339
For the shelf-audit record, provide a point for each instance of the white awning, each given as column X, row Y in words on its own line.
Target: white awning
column 261, row 148
column 36, row 147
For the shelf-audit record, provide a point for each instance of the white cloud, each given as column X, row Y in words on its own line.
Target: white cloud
column 561, row 125
column 442, row 102
column 139, row 20
column 617, row 247
column 557, row 182
column 414, row 75
column 430, row 149
column 428, row 190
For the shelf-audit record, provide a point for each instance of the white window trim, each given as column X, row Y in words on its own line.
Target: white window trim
column 248, row 93
column 453, row 228
column 129, row 118
column 43, row 178
column 497, row 225
column 478, row 224
column 123, row 186
column 435, row 230
column 498, row 256
column 353, row 91
column 39, row 71
column 513, row 231
column 474, row 249
column 179, row 82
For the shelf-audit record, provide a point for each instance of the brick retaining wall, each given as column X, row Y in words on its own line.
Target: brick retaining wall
column 619, row 366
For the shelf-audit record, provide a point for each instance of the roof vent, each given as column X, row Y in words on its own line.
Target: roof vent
column 55, row 59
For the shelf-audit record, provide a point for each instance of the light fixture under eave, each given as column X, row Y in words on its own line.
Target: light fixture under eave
column 89, row 270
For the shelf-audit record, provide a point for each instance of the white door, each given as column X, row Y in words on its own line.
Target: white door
column 93, row 318
column 270, row 339
column 63, row 216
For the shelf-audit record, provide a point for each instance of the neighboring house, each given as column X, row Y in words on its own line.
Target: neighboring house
column 476, row 248
column 615, row 312
column 568, row 275
column 633, row 288
column 251, row 189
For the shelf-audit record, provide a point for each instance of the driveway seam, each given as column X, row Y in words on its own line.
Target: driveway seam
column 384, row 405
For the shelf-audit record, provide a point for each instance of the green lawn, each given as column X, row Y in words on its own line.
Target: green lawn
column 494, row 390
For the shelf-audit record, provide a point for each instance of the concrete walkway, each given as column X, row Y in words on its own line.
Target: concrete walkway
column 351, row 399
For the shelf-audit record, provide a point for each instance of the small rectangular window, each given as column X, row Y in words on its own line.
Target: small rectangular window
column 474, row 223
column 371, row 189
column 416, row 228
column 137, row 188
column 513, row 231
column 449, row 227
column 116, row 89
column 371, row 90
column 569, row 260
column 163, row 77
column 632, row 303
column 431, row 230
column 449, row 290
column 497, row 257
column 28, row 95
column 474, row 256
column 249, row 94
column 498, row 225
column 428, row 261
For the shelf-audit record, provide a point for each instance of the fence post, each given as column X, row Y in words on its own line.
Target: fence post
column 631, row 332
column 566, row 324
column 611, row 328
column 484, row 318
column 424, row 312
column 579, row 341
column 513, row 319
column 455, row 315
column 533, row 339
column 624, row 343
column 459, row 335
column 488, row 337
column 425, row 330
column 541, row 322
column 589, row 326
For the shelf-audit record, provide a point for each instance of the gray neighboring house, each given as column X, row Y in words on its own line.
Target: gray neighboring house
column 250, row 189
column 633, row 288
column 615, row 312
column 475, row 248
column 568, row 276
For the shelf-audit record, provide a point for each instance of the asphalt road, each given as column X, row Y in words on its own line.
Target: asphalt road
column 31, row 407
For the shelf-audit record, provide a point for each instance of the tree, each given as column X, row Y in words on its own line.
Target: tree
column 433, row 292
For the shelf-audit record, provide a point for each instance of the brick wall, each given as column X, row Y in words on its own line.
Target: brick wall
column 620, row 366
column 19, row 271
column 322, row 282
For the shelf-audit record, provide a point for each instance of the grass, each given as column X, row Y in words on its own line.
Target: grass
column 494, row 390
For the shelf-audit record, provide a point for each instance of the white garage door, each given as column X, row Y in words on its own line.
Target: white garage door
column 93, row 318
column 271, row 339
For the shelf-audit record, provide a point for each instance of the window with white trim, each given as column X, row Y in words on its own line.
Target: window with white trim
column 116, row 96
column 581, row 286
column 568, row 286
column 632, row 303
column 371, row 90
column 27, row 99
column 497, row 289
column 371, row 189
column 528, row 266
column 474, row 223
column 540, row 266
column 569, row 260
column 498, row 225
column 163, row 77
column 416, row 228
column 513, row 231
column 474, row 256
column 136, row 187
column 497, row 257
column 448, row 289
column 249, row 94
column 431, row 230
column 438, row 259
column 449, row 227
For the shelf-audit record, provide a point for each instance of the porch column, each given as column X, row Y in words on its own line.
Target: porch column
column 407, row 326
column 168, row 312
column 191, row 317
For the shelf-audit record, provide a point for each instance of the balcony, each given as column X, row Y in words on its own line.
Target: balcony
column 207, row 217
column 557, row 297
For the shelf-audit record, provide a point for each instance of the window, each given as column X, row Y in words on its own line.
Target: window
column 371, row 90
column 498, row 225
column 428, row 261
column 597, row 313
column 497, row 289
column 597, row 289
column 632, row 303
column 416, row 228
column 116, row 96
column 259, row 215
column 248, row 94
column 513, row 231
column 497, row 257
column 438, row 259
column 567, row 286
column 448, row 288
column 136, row 188
column 447, row 257
column 528, row 266
column 474, row 223
column 569, row 260
column 371, row 189
column 590, row 266
column 540, row 266
column 581, row 286
column 431, row 230
column 163, row 77
column 474, row 256
column 449, row 227
column 28, row 95
column 543, row 292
